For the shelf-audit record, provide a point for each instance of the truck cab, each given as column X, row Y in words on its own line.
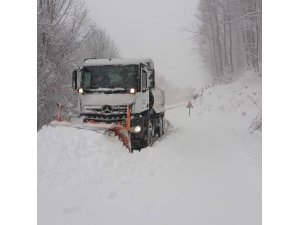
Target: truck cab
column 108, row 88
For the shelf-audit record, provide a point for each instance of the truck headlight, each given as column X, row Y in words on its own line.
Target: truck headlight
column 132, row 90
column 137, row 129
column 80, row 90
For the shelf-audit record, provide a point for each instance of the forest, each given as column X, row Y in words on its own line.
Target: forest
column 228, row 36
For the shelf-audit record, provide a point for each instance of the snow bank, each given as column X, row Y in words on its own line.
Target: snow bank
column 81, row 171
column 239, row 102
column 70, row 156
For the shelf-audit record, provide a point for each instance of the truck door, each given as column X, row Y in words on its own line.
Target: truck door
column 142, row 97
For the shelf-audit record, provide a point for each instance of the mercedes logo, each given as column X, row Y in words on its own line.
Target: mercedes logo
column 107, row 109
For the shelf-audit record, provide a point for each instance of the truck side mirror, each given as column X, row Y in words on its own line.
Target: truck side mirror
column 152, row 79
column 74, row 79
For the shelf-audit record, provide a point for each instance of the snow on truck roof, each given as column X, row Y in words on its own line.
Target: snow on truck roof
column 102, row 62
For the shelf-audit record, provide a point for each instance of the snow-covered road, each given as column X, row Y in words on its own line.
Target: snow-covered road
column 205, row 170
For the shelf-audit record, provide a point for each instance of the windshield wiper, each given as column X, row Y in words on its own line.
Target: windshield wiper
column 94, row 87
column 110, row 88
column 113, row 86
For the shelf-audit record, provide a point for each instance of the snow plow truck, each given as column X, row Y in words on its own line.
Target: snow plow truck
column 118, row 96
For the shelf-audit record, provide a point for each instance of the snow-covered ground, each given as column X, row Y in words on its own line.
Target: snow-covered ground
column 205, row 170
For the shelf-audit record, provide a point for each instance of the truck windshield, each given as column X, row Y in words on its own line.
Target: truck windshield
column 110, row 76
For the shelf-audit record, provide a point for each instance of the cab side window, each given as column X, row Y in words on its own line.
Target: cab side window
column 144, row 80
column 86, row 80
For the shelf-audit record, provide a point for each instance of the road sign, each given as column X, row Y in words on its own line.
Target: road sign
column 189, row 106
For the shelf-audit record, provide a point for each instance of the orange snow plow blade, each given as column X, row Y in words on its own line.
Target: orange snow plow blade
column 119, row 130
column 122, row 132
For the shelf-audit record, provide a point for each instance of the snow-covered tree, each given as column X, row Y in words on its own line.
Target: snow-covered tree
column 228, row 34
column 99, row 45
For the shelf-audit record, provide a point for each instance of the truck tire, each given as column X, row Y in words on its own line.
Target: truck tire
column 161, row 126
column 149, row 134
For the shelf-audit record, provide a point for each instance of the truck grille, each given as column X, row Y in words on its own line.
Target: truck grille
column 106, row 113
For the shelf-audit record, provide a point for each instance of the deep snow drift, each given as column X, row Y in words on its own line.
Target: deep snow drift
column 205, row 170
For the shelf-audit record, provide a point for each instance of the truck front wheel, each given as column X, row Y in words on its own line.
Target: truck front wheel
column 149, row 134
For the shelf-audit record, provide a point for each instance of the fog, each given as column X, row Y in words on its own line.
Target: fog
column 154, row 29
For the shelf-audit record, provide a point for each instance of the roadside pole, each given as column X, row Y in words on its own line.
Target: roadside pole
column 189, row 106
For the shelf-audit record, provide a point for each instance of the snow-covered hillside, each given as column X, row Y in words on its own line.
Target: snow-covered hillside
column 205, row 170
column 239, row 101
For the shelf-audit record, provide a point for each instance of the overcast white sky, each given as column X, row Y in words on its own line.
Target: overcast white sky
column 155, row 29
